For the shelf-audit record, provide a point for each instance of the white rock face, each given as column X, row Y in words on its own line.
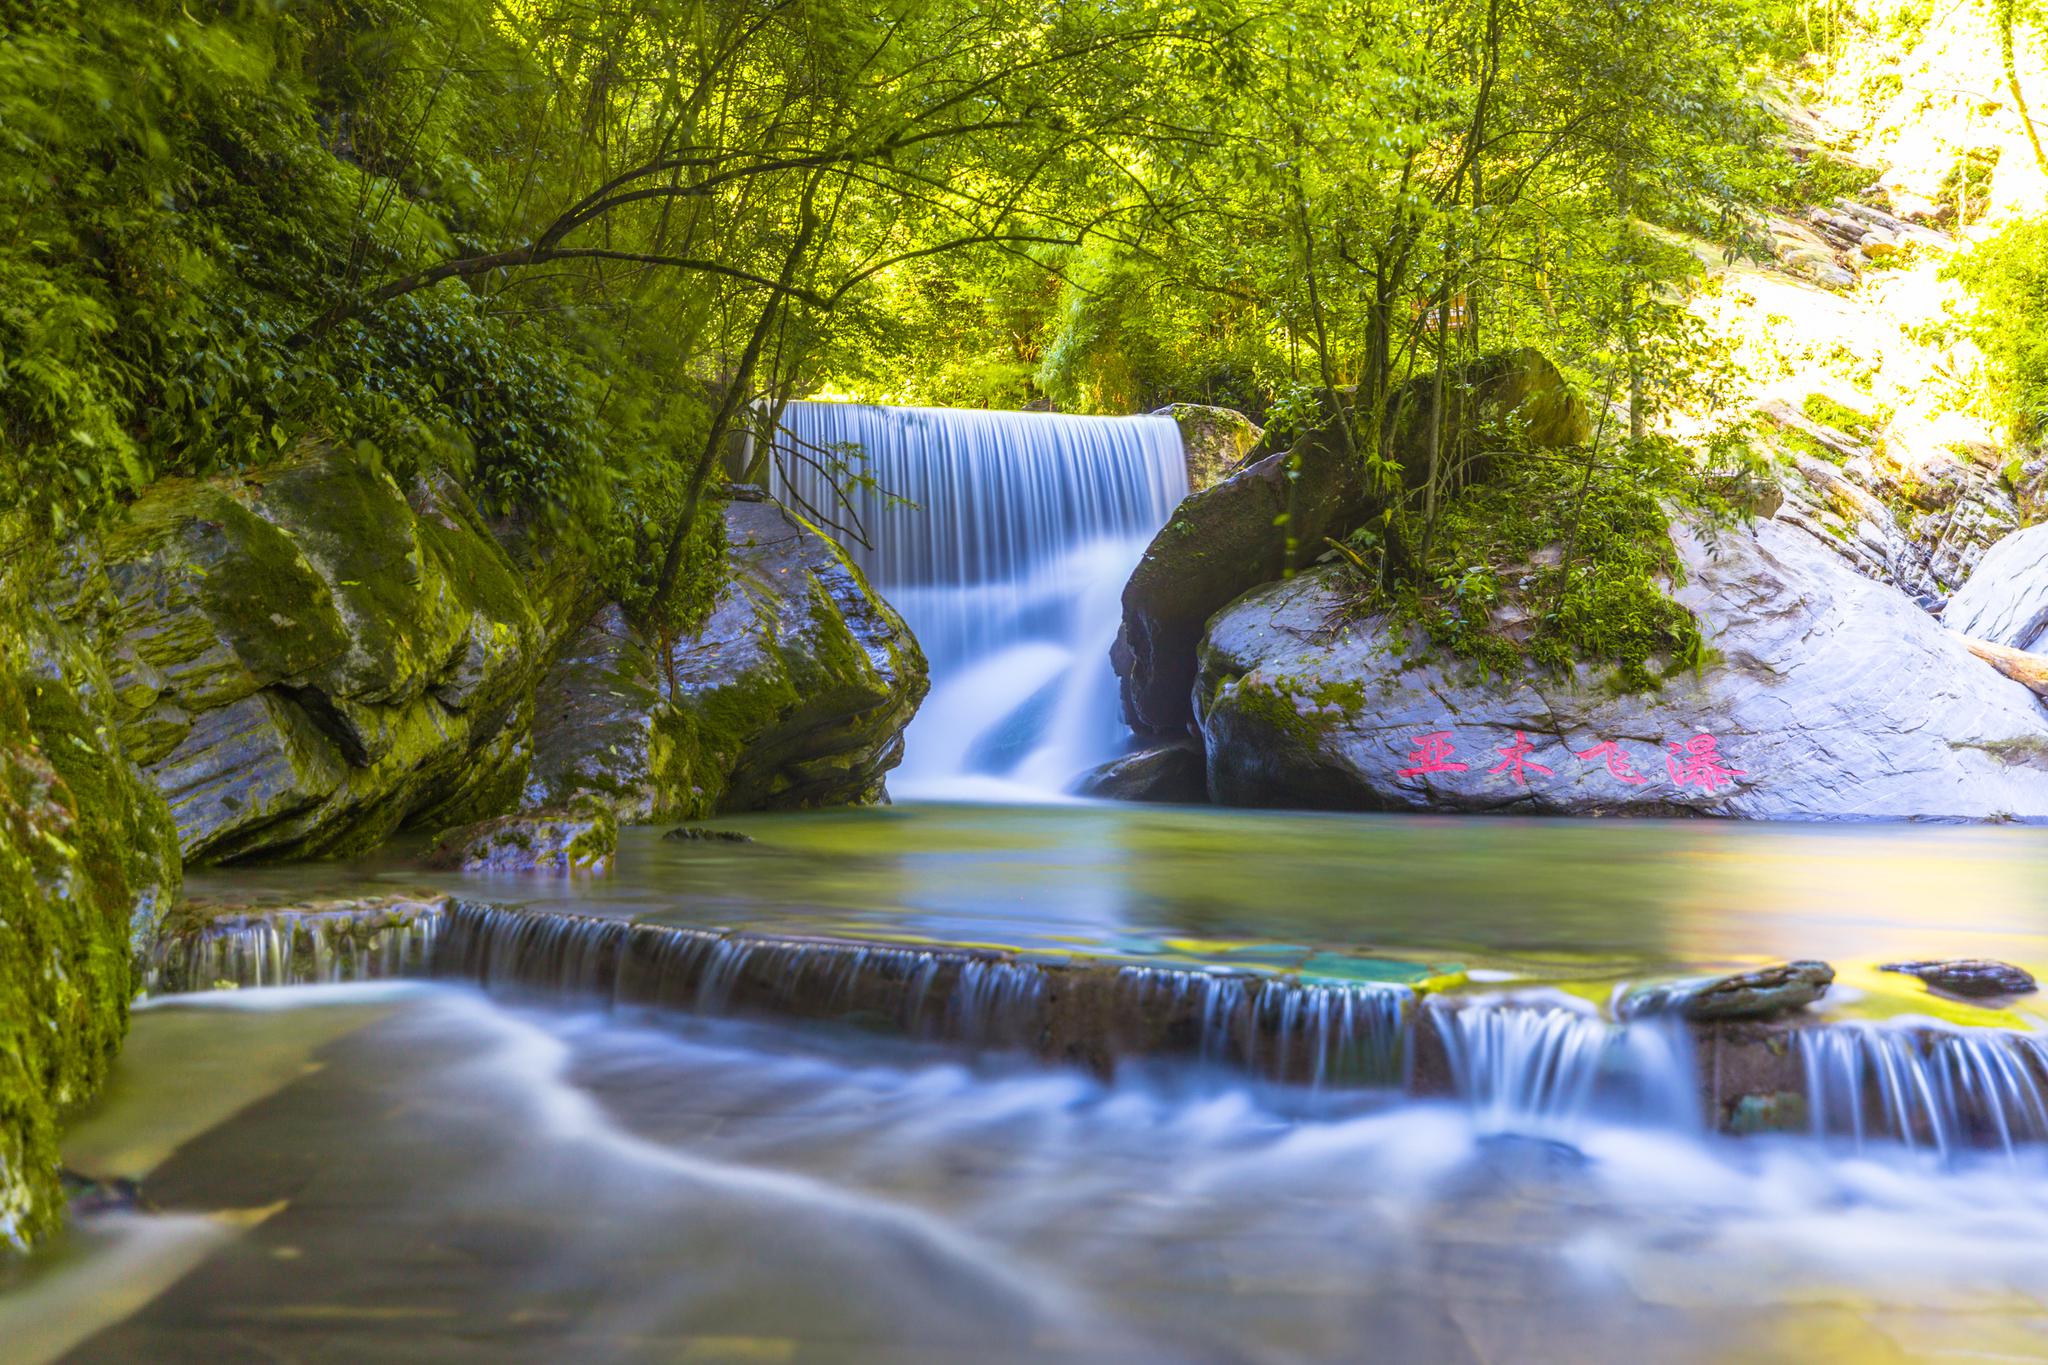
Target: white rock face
column 1833, row 697
column 2005, row 600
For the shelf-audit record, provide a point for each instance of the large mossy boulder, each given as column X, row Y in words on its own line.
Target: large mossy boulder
column 1826, row 696
column 88, row 869
column 1274, row 515
column 308, row 659
column 1213, row 441
column 793, row 695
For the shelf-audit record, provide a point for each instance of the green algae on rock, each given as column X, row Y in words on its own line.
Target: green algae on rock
column 581, row 840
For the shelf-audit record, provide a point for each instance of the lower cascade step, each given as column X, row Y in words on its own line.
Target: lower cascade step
column 1523, row 1064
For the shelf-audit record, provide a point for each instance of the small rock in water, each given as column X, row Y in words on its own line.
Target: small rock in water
column 1782, row 1111
column 686, row 833
column 1971, row 976
column 91, row 1194
column 557, row 841
column 1746, row 995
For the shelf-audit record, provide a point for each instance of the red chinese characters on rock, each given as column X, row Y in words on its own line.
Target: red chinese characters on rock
column 1516, row 762
column 1619, row 766
column 1432, row 755
column 1697, row 762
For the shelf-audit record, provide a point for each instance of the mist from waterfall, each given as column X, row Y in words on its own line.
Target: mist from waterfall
column 1004, row 539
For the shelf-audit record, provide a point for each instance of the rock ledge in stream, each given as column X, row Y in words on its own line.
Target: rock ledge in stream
column 1828, row 696
column 793, row 695
column 1969, row 976
column 1758, row 994
column 543, row 841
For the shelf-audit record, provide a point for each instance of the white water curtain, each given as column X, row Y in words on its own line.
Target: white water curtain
column 1004, row 539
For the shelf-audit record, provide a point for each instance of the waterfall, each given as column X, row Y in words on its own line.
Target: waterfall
column 1926, row 1087
column 1004, row 539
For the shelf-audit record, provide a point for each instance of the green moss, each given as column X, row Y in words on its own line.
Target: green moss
column 2023, row 751
column 1301, row 711
column 1792, row 438
column 1492, row 600
column 75, row 865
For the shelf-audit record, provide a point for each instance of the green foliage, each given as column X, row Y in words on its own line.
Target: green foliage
column 1831, row 413
column 2008, row 275
column 184, row 188
column 1560, row 559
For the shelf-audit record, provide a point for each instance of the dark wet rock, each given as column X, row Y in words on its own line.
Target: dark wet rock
column 583, row 840
column 2005, row 600
column 88, row 1194
column 1969, row 976
column 88, row 867
column 1170, row 774
column 1759, row 994
column 793, row 695
column 1219, row 543
column 1214, row 441
column 308, row 660
column 684, row 834
column 594, row 721
column 1229, row 539
column 1788, row 720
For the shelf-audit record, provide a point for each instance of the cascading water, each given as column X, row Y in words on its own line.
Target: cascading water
column 1004, row 539
column 1926, row 1087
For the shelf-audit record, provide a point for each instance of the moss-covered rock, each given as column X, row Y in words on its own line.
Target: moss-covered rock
column 88, row 868
column 580, row 840
column 308, row 659
column 1274, row 515
column 793, row 695
column 1213, row 440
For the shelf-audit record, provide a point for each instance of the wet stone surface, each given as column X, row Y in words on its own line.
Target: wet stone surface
column 1973, row 977
column 1759, row 994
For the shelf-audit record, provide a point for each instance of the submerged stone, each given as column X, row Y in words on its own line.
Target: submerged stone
column 565, row 841
column 1171, row 774
column 1781, row 1111
column 1969, row 976
column 697, row 834
column 1758, row 994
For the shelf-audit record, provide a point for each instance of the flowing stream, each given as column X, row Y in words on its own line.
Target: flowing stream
column 1004, row 539
column 1066, row 1083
